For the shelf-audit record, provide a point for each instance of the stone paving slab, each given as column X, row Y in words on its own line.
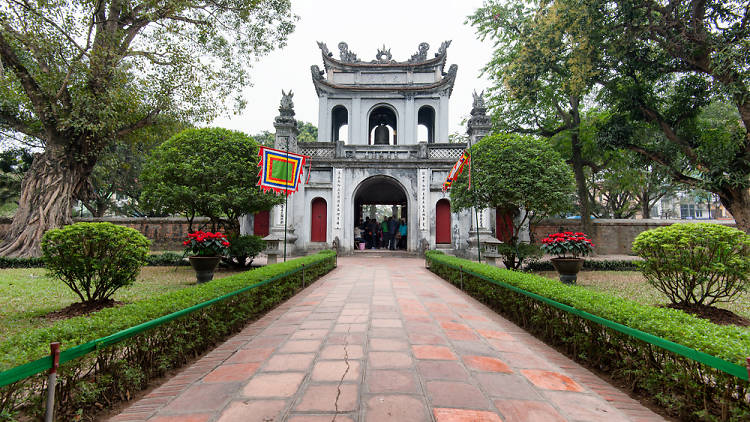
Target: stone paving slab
column 383, row 339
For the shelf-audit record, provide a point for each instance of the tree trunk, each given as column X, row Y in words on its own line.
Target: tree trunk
column 98, row 207
column 737, row 202
column 47, row 192
column 583, row 192
column 645, row 210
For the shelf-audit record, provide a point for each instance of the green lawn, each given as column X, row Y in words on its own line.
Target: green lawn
column 8, row 209
column 632, row 285
column 27, row 294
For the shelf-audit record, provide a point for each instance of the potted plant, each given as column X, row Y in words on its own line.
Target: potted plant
column 206, row 250
column 568, row 247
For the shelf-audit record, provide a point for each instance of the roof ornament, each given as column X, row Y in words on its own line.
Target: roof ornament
column 443, row 47
column 479, row 120
column 324, row 48
column 478, row 103
column 286, row 110
column 421, row 54
column 346, row 55
column 383, row 56
column 287, row 105
column 316, row 72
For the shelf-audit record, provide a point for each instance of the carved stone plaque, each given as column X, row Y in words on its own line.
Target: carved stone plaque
column 338, row 187
column 423, row 185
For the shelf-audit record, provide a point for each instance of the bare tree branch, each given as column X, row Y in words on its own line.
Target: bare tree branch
column 664, row 161
column 145, row 121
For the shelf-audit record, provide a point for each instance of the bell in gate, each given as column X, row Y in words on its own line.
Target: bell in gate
column 381, row 135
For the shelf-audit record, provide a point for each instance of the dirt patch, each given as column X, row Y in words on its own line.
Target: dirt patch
column 716, row 315
column 78, row 309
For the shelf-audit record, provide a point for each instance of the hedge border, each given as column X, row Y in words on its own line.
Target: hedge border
column 167, row 259
column 589, row 265
column 99, row 370
column 683, row 386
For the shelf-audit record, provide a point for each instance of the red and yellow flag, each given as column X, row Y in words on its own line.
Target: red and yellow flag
column 280, row 171
column 456, row 170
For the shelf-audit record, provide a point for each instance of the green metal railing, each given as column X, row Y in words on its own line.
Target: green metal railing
column 46, row 363
column 696, row 355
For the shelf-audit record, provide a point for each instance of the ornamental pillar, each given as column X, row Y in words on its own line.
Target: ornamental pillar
column 286, row 137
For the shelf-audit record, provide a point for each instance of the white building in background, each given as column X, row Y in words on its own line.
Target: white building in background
column 382, row 140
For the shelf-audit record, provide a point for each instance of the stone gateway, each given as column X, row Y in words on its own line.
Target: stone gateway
column 382, row 140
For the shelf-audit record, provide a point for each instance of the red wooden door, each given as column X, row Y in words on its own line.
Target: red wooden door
column 503, row 226
column 319, row 220
column 443, row 221
column 260, row 223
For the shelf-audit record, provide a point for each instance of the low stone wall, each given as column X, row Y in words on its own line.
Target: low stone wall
column 164, row 232
column 611, row 236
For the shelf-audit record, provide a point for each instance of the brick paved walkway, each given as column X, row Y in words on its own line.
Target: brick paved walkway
column 383, row 339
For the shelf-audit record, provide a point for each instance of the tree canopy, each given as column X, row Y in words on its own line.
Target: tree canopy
column 519, row 174
column 682, row 67
column 208, row 172
column 542, row 75
column 679, row 67
column 79, row 75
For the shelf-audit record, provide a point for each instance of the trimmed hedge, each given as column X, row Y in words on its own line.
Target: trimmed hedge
column 21, row 262
column 167, row 259
column 115, row 372
column 589, row 265
column 684, row 387
column 164, row 259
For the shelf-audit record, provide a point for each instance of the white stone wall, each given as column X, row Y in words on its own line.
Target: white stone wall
column 360, row 106
column 420, row 219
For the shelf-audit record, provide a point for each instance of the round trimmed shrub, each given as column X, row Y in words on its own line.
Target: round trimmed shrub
column 244, row 248
column 94, row 259
column 695, row 263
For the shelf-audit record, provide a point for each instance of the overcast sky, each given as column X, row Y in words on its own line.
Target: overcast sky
column 399, row 24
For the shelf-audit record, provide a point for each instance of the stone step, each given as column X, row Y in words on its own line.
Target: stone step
column 378, row 253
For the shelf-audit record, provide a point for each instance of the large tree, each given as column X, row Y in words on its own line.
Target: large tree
column 208, row 172
column 80, row 75
column 519, row 174
column 682, row 67
column 542, row 75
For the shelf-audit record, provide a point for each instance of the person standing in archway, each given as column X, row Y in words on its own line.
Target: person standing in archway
column 402, row 230
column 372, row 230
column 386, row 233
column 392, row 231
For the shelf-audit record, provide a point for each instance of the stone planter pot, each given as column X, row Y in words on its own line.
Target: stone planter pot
column 568, row 268
column 204, row 267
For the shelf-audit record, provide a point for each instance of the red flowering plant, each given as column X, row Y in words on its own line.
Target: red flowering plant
column 206, row 244
column 567, row 243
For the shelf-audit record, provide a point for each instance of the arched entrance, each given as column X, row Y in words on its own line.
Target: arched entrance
column 443, row 222
column 319, row 223
column 380, row 197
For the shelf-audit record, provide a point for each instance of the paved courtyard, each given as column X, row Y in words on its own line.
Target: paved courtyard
column 383, row 339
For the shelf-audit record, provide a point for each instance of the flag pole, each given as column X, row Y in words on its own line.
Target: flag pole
column 476, row 212
column 286, row 192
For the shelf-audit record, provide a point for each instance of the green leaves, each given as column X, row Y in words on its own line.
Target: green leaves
column 695, row 263
column 515, row 172
column 104, row 376
column 94, row 259
column 673, row 379
column 210, row 172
